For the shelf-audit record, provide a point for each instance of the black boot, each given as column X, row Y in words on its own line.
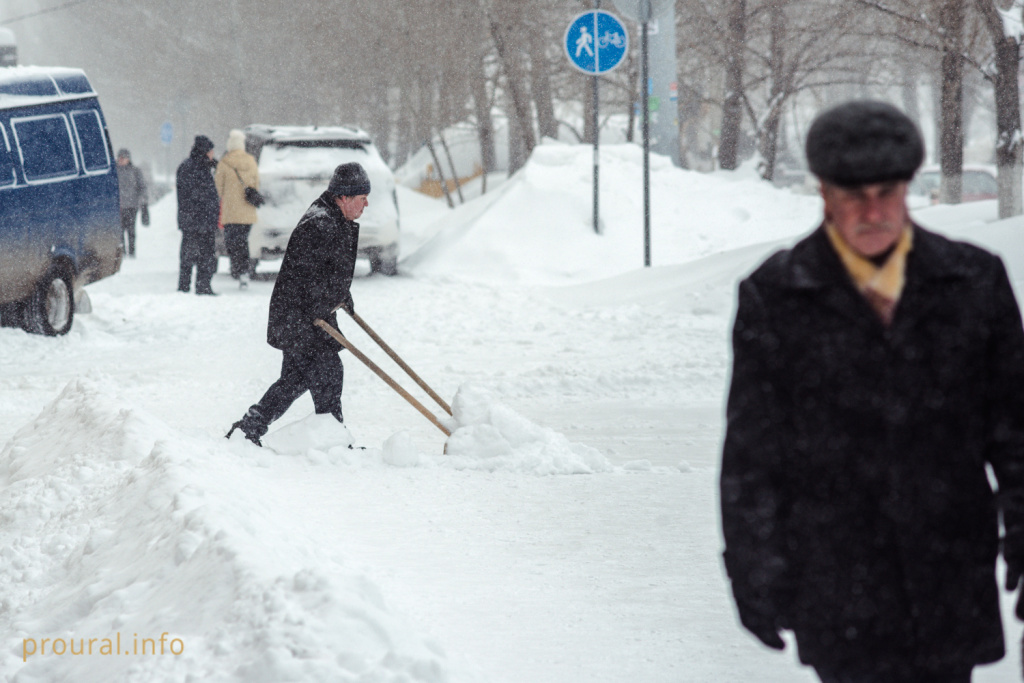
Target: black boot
column 252, row 436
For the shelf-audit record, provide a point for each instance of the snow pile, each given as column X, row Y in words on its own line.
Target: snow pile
column 312, row 434
column 123, row 536
column 537, row 228
column 491, row 436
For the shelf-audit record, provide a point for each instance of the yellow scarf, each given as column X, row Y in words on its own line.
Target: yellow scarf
column 880, row 285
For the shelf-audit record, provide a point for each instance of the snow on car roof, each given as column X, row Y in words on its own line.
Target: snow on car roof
column 297, row 133
column 27, row 85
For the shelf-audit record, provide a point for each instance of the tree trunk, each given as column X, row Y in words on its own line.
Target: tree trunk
column 909, row 91
column 951, row 136
column 382, row 121
column 515, row 88
column 769, row 133
column 540, row 82
column 440, row 173
column 1007, row 101
column 484, row 122
column 732, row 107
column 451, row 165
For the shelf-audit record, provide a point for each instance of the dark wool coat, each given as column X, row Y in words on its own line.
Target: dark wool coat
column 198, row 203
column 315, row 276
column 856, row 507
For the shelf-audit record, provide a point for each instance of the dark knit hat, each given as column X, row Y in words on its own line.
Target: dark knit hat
column 349, row 180
column 863, row 142
column 124, row 154
column 202, row 144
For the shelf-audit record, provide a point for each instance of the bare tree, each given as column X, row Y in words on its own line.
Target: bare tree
column 1005, row 65
column 732, row 107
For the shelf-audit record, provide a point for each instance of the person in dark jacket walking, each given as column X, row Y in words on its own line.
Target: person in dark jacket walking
column 132, row 189
column 198, row 213
column 315, row 277
column 877, row 374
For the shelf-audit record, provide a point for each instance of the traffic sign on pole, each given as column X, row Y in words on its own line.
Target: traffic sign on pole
column 596, row 42
column 166, row 133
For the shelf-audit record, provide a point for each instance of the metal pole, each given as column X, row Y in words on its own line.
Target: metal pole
column 597, row 136
column 647, row 143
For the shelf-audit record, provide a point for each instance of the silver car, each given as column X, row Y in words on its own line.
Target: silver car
column 295, row 166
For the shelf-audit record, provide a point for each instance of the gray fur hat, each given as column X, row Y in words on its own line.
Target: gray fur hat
column 349, row 180
column 863, row 142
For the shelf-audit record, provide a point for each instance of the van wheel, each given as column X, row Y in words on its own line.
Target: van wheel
column 51, row 308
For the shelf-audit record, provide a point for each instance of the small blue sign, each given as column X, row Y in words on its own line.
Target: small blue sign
column 166, row 133
column 596, row 42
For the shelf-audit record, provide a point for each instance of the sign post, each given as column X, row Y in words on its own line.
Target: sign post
column 166, row 136
column 595, row 43
column 660, row 90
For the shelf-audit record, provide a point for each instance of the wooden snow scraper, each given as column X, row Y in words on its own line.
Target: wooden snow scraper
column 383, row 375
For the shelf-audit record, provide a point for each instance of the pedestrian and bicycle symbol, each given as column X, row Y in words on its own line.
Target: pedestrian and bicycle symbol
column 596, row 42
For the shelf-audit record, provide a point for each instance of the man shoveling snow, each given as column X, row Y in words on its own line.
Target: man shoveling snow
column 315, row 275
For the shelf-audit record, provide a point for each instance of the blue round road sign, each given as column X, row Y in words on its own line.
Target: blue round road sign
column 166, row 133
column 596, row 42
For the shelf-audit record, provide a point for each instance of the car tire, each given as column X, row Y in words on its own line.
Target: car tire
column 51, row 308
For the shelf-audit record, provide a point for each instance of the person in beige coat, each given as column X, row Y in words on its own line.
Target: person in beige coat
column 236, row 171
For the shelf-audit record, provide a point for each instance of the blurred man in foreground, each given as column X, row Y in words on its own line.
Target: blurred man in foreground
column 877, row 374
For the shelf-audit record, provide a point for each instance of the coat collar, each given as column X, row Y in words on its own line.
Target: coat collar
column 814, row 264
column 815, row 267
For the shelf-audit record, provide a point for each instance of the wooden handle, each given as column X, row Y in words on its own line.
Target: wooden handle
column 380, row 373
column 395, row 357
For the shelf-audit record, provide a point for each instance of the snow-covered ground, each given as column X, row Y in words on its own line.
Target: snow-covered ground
column 569, row 534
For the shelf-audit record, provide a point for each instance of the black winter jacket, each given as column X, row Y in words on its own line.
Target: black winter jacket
column 856, row 507
column 315, row 276
column 198, row 203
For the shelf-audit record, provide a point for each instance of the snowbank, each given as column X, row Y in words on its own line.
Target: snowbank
column 537, row 228
column 120, row 532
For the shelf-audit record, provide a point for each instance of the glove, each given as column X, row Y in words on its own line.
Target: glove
column 759, row 622
column 349, row 306
column 144, row 215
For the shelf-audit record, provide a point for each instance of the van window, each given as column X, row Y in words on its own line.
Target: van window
column 6, row 163
column 46, row 149
column 28, row 85
column 91, row 140
column 73, row 84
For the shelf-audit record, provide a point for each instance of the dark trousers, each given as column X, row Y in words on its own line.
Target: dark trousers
column 320, row 373
column 892, row 672
column 236, row 240
column 128, row 229
column 197, row 249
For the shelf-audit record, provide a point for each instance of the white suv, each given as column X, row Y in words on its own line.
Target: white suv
column 296, row 164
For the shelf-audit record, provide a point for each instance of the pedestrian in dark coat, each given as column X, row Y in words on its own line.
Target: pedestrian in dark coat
column 315, row 277
column 877, row 374
column 198, row 213
column 131, row 185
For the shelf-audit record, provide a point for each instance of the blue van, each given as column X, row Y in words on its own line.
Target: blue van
column 60, row 223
